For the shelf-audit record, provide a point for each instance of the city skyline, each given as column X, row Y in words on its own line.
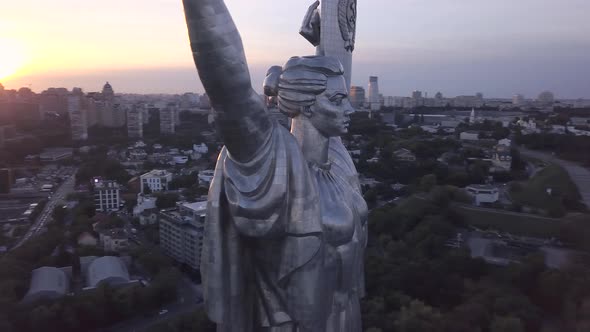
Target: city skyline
column 499, row 48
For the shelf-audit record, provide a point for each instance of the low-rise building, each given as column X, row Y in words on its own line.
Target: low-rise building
column 48, row 283
column 52, row 155
column 87, row 240
column 404, row 155
column 181, row 232
column 104, row 270
column 156, row 180
column 483, row 194
column 148, row 217
column 114, row 240
column 201, row 148
column 469, row 136
column 502, row 158
column 144, row 202
column 107, row 196
column 205, row 177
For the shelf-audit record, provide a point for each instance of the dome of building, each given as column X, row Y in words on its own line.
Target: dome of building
column 47, row 283
column 108, row 269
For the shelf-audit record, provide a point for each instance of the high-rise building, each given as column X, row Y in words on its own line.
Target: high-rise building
column 7, row 132
column 518, row 100
column 53, row 100
column 189, row 100
column 108, row 94
column 146, row 114
column 389, row 101
column 168, row 120
column 204, row 102
column 357, row 96
column 467, row 101
column 78, row 117
column 92, row 118
column 546, row 98
column 373, row 97
column 181, row 232
column 135, row 121
column 110, row 114
column 156, row 180
column 107, row 196
column 6, row 180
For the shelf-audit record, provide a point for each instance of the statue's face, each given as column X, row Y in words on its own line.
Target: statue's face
column 330, row 114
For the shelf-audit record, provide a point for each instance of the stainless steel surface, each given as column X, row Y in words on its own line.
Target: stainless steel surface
column 286, row 222
column 331, row 27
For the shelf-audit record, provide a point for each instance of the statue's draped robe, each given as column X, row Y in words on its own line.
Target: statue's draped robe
column 265, row 252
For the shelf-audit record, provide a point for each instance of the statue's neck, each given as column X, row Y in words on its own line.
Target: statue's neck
column 313, row 144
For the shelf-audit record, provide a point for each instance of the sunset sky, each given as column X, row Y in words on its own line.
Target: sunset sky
column 457, row 47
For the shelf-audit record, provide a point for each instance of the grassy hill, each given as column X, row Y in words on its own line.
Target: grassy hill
column 564, row 194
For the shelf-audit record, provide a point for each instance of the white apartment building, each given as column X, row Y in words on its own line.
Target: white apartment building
column 205, row 177
column 469, row 136
column 156, row 180
column 107, row 196
column 483, row 193
column 181, row 232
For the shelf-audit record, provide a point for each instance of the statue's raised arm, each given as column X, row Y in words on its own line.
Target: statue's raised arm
column 219, row 56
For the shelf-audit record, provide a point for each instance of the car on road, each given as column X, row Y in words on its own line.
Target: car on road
column 163, row 312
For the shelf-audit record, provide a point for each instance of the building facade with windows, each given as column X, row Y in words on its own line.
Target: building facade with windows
column 156, row 181
column 107, row 195
column 483, row 194
column 181, row 232
column 168, row 120
column 78, row 115
column 135, row 122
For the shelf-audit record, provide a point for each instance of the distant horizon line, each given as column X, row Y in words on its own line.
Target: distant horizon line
column 202, row 92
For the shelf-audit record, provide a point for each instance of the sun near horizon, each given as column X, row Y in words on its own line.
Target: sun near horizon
column 13, row 58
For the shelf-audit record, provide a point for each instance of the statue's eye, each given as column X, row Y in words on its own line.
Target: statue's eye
column 337, row 101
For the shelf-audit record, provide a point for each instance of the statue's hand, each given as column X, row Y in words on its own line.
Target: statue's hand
column 310, row 28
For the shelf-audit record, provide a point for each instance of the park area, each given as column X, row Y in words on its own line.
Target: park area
column 551, row 191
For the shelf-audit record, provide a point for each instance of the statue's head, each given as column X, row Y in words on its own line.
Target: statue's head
column 314, row 87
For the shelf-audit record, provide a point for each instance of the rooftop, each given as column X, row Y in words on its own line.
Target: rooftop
column 482, row 187
column 156, row 172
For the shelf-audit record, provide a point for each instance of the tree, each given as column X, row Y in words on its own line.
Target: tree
column 506, row 324
column 418, row 317
column 59, row 214
column 147, row 190
column 428, row 182
column 166, row 201
column 153, row 260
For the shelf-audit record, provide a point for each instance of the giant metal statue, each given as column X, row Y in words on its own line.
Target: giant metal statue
column 332, row 28
column 286, row 221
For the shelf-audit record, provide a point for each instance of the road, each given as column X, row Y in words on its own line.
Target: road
column 189, row 300
column 580, row 175
column 59, row 196
column 481, row 246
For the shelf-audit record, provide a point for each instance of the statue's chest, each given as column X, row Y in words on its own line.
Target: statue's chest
column 341, row 207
